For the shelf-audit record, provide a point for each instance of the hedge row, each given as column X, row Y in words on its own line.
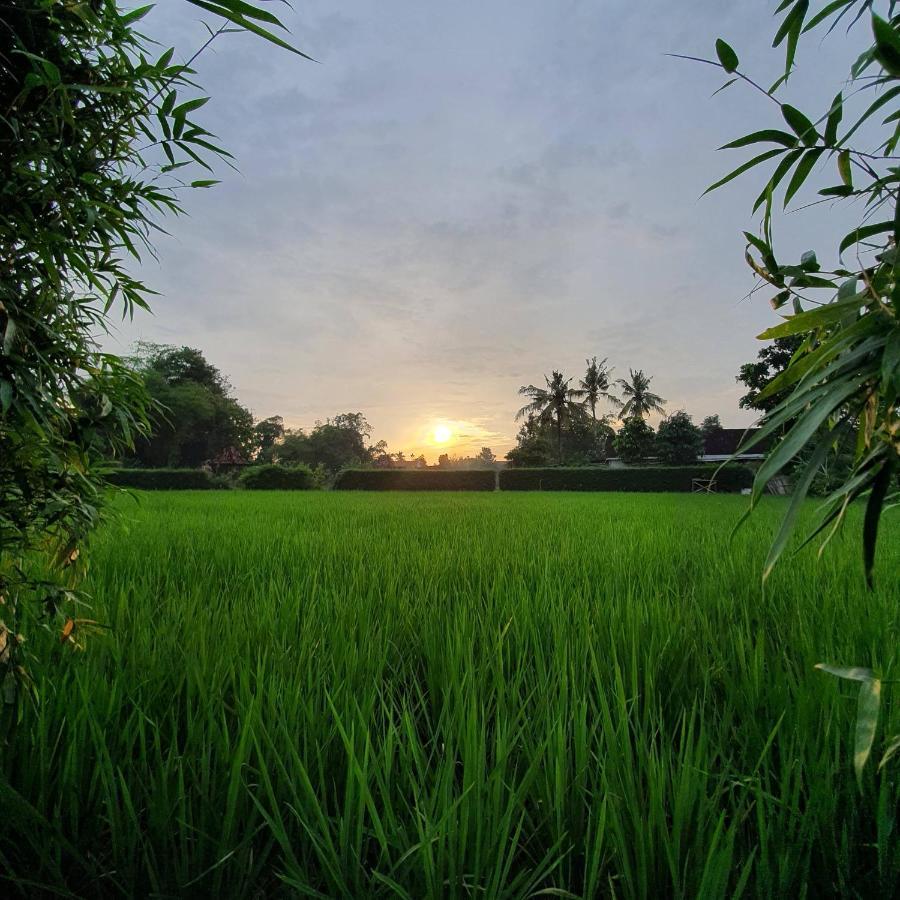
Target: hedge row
column 164, row 479
column 663, row 479
column 277, row 478
column 676, row 478
column 415, row 480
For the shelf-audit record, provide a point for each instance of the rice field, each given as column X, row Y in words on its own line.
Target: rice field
column 457, row 695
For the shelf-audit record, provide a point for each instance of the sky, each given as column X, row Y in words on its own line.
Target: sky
column 456, row 199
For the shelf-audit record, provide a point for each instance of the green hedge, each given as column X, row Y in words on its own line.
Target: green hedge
column 415, row 480
column 164, row 479
column 277, row 478
column 650, row 478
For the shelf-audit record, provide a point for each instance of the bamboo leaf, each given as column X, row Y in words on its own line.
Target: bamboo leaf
column 745, row 167
column 890, row 363
column 844, row 168
column 848, row 673
column 813, row 318
column 727, row 57
column 891, row 750
column 183, row 109
column 866, row 231
column 868, row 708
column 786, row 164
column 880, row 488
column 129, row 18
column 772, row 135
column 800, row 490
column 887, row 45
column 804, row 167
column 881, row 102
column 230, row 10
column 825, row 12
column 806, row 426
column 800, row 124
column 834, row 119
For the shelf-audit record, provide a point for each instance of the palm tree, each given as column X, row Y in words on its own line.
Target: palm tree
column 639, row 401
column 555, row 404
column 595, row 385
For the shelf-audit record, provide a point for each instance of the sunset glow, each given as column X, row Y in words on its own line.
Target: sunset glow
column 442, row 434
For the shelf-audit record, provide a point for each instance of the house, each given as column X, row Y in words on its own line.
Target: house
column 722, row 444
column 719, row 446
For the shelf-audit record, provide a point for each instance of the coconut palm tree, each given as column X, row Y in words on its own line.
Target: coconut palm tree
column 595, row 385
column 639, row 401
column 556, row 404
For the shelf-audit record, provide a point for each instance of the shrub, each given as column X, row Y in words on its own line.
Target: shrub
column 415, row 480
column 656, row 478
column 277, row 478
column 679, row 442
column 164, row 479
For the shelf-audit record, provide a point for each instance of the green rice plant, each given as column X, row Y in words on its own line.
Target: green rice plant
column 454, row 695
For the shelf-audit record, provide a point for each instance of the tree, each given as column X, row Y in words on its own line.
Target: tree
column 604, row 436
column 710, row 425
column 379, row 454
column 556, row 404
column 196, row 418
column 334, row 444
column 678, row 440
column 635, row 440
column 639, row 400
column 845, row 373
column 486, row 457
column 81, row 98
column 533, row 448
column 595, row 385
column 267, row 433
column 770, row 362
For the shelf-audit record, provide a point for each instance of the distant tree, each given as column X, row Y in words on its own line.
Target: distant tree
column 334, row 444
column 355, row 422
column 604, row 436
column 197, row 419
column 638, row 399
column 533, row 446
column 772, row 360
column 557, row 403
column 710, row 425
column 292, row 449
column 444, row 461
column 595, row 385
column 678, row 440
column 179, row 365
column 486, row 456
column 533, row 453
column 635, row 440
column 378, row 453
column 267, row 433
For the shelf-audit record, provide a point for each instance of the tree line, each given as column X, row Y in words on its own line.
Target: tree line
column 560, row 424
column 197, row 421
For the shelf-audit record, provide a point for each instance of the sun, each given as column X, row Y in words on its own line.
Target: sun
column 442, row 434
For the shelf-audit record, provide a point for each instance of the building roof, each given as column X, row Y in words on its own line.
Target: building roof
column 725, row 442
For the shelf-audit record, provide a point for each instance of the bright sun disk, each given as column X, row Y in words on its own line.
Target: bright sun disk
column 442, row 434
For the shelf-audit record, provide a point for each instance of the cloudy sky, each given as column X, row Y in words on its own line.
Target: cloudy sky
column 459, row 197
